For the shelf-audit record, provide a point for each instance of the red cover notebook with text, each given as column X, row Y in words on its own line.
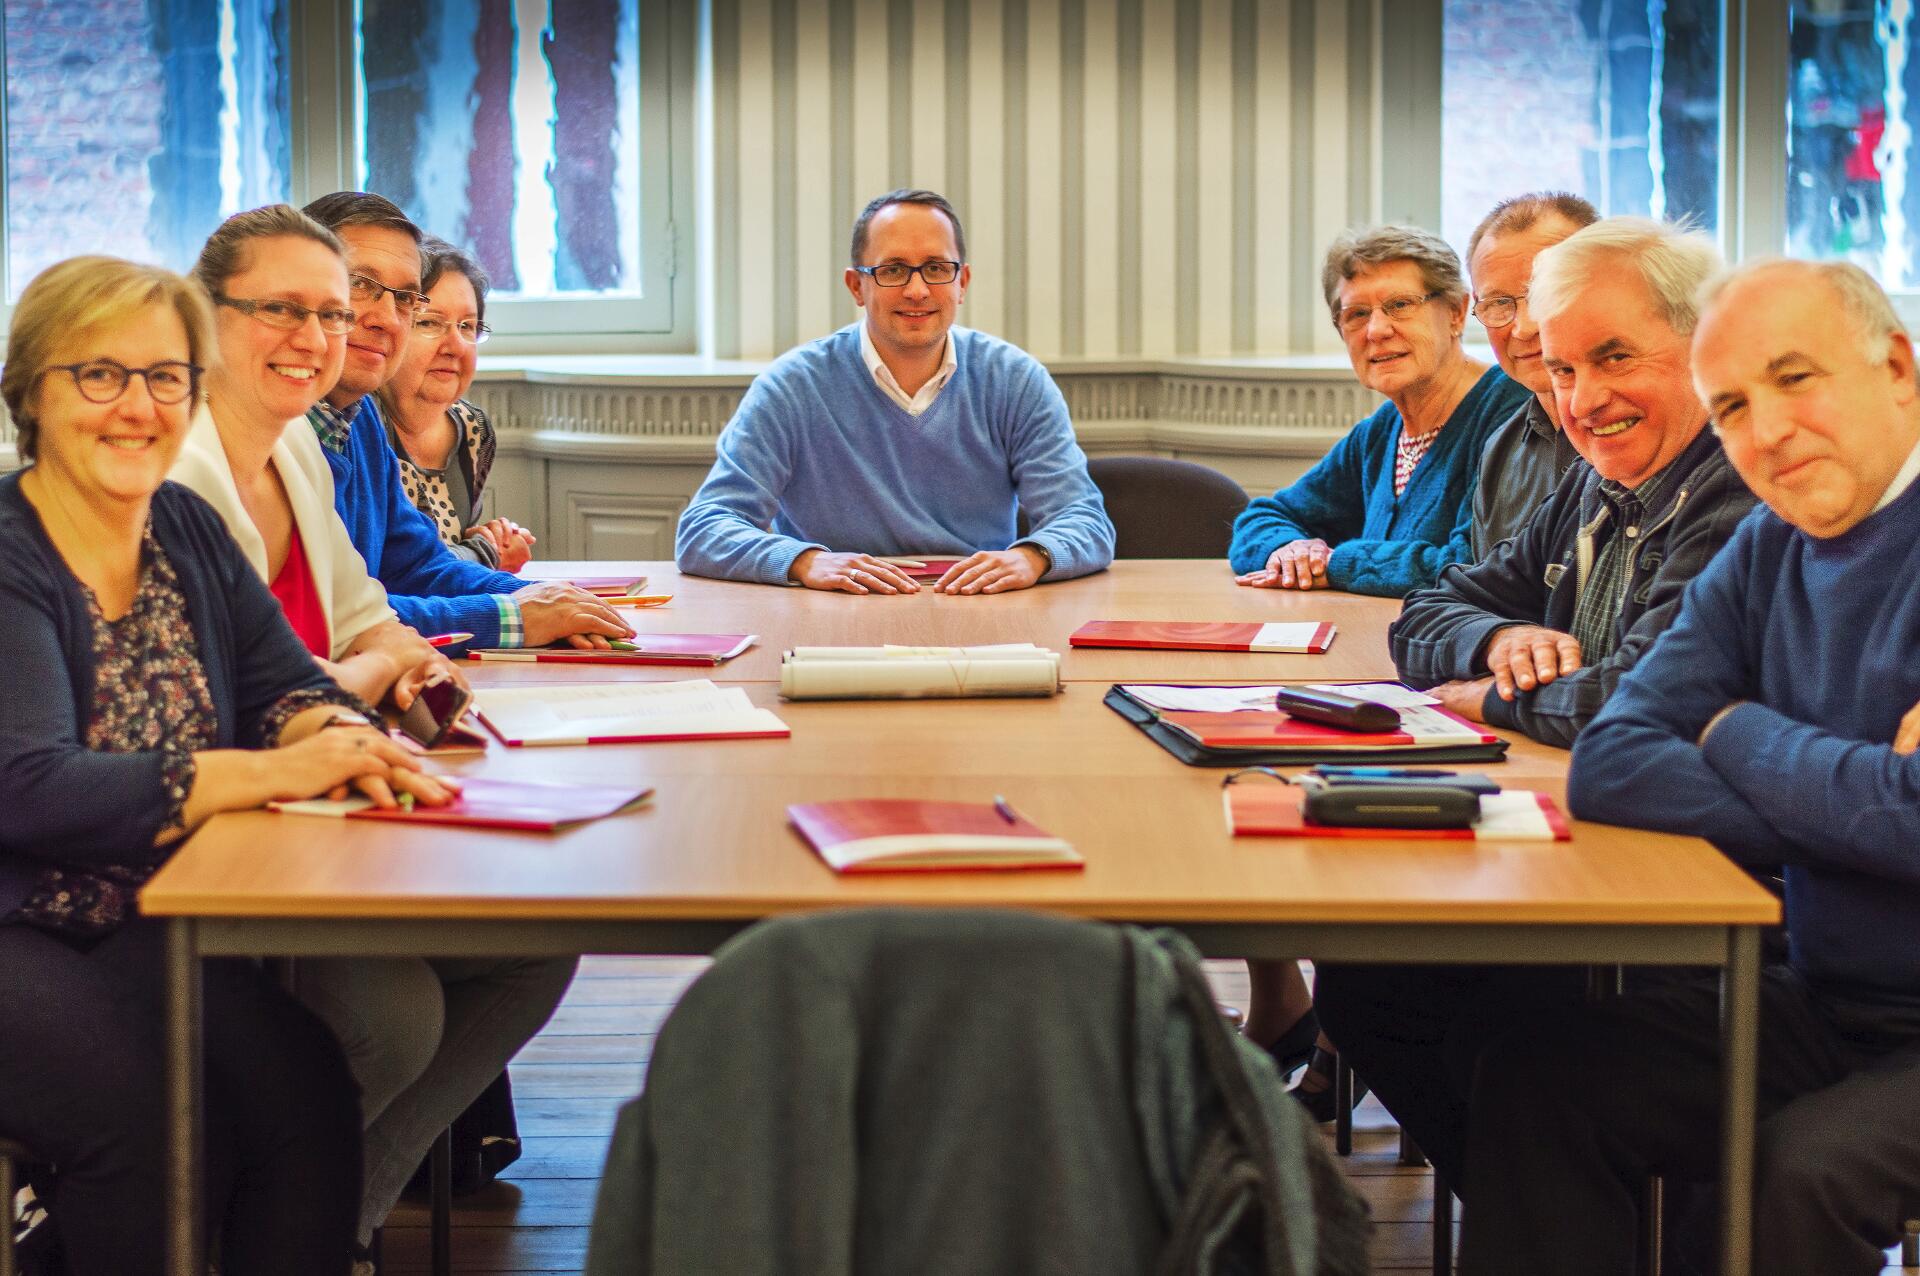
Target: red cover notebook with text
column 500, row 804
column 653, row 649
column 1298, row 637
column 891, row 835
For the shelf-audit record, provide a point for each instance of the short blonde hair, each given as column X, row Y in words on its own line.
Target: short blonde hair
column 81, row 295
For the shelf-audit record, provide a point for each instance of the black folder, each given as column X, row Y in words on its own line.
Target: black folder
column 1193, row 753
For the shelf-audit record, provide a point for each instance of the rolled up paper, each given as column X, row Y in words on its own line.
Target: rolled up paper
column 917, row 678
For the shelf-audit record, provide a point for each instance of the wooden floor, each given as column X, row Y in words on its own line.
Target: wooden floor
column 570, row 1079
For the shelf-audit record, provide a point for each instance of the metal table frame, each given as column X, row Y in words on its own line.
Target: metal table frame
column 1733, row 949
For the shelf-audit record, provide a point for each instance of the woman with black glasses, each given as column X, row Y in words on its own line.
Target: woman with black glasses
column 150, row 682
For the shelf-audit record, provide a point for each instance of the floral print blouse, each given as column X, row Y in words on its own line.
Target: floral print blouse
column 149, row 694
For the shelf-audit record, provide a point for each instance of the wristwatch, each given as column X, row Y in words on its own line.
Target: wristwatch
column 346, row 718
column 1046, row 557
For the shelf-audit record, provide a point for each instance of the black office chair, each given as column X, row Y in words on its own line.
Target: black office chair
column 1163, row 508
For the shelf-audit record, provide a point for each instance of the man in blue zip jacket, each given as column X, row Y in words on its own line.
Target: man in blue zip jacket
column 1535, row 636
column 430, row 587
column 1776, row 718
column 1591, row 581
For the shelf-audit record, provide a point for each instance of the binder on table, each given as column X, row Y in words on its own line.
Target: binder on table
column 1270, row 738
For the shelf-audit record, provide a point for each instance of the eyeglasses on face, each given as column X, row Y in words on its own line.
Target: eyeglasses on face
column 1398, row 310
column 104, row 380
column 290, row 316
column 1498, row 311
column 405, row 300
column 434, row 327
column 894, row 274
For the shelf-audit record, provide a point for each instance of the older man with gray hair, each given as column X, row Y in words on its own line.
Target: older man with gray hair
column 1535, row 636
column 1540, row 633
column 1778, row 719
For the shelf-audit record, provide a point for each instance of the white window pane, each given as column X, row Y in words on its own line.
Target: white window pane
column 1616, row 102
column 1850, row 122
column 135, row 126
column 512, row 128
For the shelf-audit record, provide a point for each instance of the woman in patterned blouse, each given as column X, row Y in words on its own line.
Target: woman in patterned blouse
column 445, row 444
column 150, row 682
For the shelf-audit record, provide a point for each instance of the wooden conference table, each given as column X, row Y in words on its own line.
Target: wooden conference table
column 712, row 854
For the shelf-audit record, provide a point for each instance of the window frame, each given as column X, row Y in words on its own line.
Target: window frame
column 324, row 92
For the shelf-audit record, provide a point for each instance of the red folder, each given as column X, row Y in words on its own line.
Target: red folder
column 500, row 804
column 704, row 650
column 922, row 568
column 1270, row 728
column 609, row 586
column 1262, row 808
column 883, row 835
column 1301, row 638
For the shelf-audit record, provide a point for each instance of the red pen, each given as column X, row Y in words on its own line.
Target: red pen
column 448, row 640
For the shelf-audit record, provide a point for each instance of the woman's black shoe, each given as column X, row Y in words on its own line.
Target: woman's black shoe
column 1293, row 1049
column 1319, row 1102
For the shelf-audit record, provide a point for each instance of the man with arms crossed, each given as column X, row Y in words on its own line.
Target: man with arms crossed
column 900, row 434
column 1777, row 718
column 1525, row 457
column 1535, row 636
column 1608, row 557
column 429, row 586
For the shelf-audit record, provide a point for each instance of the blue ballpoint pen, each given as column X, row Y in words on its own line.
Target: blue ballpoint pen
column 1384, row 772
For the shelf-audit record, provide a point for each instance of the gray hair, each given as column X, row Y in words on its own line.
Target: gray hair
column 1862, row 300
column 1522, row 212
column 442, row 258
column 1359, row 250
column 1672, row 260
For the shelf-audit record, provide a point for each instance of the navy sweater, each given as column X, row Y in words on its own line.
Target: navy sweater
column 430, row 587
column 1382, row 543
column 1819, row 639
column 70, row 804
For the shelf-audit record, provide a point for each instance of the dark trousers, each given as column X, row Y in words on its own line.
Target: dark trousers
column 1573, row 1111
column 82, row 1082
column 1414, row 1034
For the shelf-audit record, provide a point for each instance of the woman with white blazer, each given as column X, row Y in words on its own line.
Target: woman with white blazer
column 423, row 1036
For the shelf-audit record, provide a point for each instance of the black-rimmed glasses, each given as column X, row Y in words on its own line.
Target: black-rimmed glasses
column 1498, row 312
column 104, row 380
column 894, row 274
column 1398, row 310
column 405, row 300
column 290, row 316
column 434, row 327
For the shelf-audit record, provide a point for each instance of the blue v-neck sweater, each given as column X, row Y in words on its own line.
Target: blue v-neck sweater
column 1819, row 643
column 818, row 456
column 1382, row 543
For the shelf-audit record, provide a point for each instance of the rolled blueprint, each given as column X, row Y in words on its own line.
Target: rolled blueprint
column 812, row 674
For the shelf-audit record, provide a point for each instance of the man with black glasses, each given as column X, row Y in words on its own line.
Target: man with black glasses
column 429, row 586
column 900, row 434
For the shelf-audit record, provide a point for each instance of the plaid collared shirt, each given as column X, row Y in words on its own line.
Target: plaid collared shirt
column 332, row 425
column 1604, row 591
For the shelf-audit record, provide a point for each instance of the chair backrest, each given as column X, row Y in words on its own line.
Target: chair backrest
column 1163, row 508
column 948, row 1092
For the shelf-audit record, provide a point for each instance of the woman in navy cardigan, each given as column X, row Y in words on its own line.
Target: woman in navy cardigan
column 150, row 682
column 1392, row 503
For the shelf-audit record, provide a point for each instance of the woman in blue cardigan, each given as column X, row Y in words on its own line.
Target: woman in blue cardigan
column 1392, row 503
column 150, row 682
column 1383, row 512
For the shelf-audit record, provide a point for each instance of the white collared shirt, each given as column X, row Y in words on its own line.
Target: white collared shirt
column 914, row 404
column 1902, row 480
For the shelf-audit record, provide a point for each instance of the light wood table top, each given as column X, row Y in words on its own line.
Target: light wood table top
column 1133, row 589
column 715, row 845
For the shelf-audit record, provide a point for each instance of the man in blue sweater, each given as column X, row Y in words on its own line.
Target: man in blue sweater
column 430, row 587
column 900, row 434
column 1776, row 718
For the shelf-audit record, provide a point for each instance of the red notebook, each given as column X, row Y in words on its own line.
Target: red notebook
column 648, row 649
column 1305, row 637
column 923, row 568
column 888, row 835
column 1271, row 728
column 499, row 804
column 1262, row 808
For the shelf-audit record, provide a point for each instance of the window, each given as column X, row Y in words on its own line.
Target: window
column 133, row 128
column 514, row 128
column 1850, row 147
column 1616, row 102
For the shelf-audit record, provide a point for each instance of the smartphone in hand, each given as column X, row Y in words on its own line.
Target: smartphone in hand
column 434, row 711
